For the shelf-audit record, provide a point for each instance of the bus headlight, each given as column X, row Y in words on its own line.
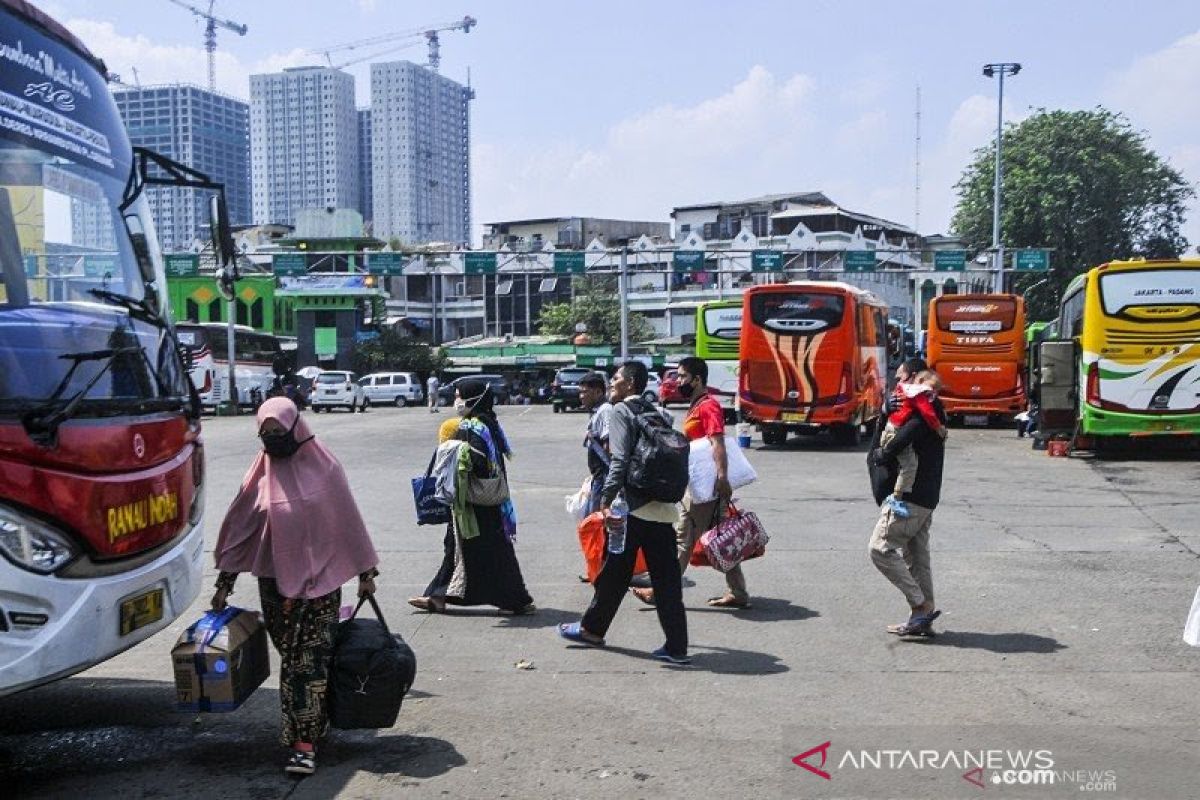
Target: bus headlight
column 32, row 544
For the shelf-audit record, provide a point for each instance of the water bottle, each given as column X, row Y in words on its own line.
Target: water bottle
column 616, row 534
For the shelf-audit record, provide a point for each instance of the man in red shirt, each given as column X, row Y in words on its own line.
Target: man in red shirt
column 705, row 419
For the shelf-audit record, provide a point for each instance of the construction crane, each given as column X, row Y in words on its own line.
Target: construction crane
column 210, row 34
column 398, row 40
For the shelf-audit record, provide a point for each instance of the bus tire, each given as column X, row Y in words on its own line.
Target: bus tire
column 774, row 435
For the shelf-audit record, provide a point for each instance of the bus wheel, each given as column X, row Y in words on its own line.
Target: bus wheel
column 845, row 435
column 774, row 435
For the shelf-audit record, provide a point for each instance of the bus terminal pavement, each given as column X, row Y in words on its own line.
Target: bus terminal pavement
column 1065, row 584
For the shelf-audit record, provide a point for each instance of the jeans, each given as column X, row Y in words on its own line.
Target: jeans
column 657, row 541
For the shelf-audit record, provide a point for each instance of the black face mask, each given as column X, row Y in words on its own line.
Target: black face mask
column 282, row 445
column 686, row 390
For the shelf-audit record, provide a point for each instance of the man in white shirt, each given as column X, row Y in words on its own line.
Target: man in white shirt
column 431, row 391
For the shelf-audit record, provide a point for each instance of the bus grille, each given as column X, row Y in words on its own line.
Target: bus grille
column 722, row 348
column 976, row 349
column 1124, row 336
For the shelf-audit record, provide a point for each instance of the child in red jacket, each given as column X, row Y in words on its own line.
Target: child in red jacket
column 915, row 398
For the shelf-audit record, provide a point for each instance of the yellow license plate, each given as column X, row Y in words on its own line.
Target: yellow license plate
column 138, row 612
column 790, row 416
column 1160, row 425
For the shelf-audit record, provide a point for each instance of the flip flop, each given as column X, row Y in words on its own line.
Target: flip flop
column 645, row 595
column 917, row 625
column 728, row 601
column 428, row 604
column 574, row 632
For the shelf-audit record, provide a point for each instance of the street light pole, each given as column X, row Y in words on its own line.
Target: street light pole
column 1000, row 70
column 623, row 292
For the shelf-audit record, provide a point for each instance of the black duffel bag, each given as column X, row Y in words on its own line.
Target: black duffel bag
column 371, row 672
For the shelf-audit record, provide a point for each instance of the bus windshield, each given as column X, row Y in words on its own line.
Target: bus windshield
column 797, row 312
column 976, row 316
column 1146, row 293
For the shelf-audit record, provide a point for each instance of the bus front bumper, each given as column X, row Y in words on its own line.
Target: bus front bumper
column 1103, row 422
column 82, row 616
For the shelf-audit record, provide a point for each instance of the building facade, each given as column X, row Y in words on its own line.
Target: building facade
column 304, row 135
column 569, row 233
column 204, row 130
column 420, row 155
column 365, row 183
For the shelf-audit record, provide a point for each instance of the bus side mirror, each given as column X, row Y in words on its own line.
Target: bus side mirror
column 222, row 244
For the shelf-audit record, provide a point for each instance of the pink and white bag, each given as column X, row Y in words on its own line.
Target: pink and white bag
column 736, row 538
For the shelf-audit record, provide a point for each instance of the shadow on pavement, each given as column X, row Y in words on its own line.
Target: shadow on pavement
column 763, row 609
column 996, row 642
column 544, row 618
column 74, row 737
column 718, row 660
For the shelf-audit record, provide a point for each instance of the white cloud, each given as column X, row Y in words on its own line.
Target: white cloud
column 1158, row 94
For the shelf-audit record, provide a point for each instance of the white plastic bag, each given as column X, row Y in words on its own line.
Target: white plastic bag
column 1191, row 631
column 577, row 504
column 702, row 469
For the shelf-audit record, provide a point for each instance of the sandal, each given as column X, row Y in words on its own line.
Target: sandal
column 431, row 604
column 645, row 595
column 302, row 762
column 728, row 601
column 575, row 632
column 917, row 625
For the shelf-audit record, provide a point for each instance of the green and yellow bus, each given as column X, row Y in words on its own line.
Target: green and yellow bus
column 718, row 331
column 1137, row 329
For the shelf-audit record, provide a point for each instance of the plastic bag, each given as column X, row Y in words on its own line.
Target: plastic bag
column 592, row 541
column 1191, row 631
column 577, row 504
column 702, row 469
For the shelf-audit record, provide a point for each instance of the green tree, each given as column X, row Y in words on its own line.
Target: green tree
column 392, row 351
column 598, row 306
column 1084, row 183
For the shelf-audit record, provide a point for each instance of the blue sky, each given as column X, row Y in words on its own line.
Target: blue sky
column 629, row 108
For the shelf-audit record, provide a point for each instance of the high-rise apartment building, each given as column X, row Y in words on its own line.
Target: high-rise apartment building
column 364, row 164
column 205, row 130
column 303, row 142
column 420, row 153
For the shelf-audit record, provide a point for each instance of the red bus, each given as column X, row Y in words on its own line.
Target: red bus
column 101, row 464
column 977, row 345
column 813, row 356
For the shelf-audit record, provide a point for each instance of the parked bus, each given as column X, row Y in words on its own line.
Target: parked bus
column 718, row 331
column 977, row 345
column 101, row 463
column 1137, row 329
column 813, row 356
column 207, row 344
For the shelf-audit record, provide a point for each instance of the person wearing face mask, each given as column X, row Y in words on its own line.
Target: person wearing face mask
column 705, row 419
column 295, row 526
column 479, row 564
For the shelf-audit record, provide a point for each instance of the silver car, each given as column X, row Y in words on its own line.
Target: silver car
column 397, row 388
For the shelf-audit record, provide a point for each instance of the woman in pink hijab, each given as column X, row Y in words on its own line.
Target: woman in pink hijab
column 295, row 526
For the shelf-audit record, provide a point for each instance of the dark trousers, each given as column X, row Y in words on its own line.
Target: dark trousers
column 657, row 541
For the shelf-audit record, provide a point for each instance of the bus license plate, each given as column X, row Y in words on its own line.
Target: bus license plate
column 975, row 419
column 791, row 416
column 138, row 612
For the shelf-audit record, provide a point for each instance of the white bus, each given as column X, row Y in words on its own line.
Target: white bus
column 208, row 346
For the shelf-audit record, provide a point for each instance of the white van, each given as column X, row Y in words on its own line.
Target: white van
column 336, row 388
column 398, row 388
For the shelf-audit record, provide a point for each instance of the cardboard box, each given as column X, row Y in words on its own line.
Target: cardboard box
column 220, row 660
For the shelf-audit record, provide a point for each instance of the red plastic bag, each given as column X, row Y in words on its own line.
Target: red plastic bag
column 591, row 542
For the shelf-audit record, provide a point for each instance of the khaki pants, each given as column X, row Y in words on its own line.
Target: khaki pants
column 900, row 550
column 696, row 519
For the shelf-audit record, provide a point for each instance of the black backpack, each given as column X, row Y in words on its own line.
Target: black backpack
column 658, row 466
column 371, row 672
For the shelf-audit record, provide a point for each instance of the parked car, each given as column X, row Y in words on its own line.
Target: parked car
column 564, row 391
column 397, row 388
column 653, row 386
column 337, row 389
column 497, row 382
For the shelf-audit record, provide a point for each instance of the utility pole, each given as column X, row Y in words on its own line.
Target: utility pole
column 991, row 71
column 623, row 293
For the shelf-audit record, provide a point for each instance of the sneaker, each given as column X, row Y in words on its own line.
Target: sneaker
column 898, row 507
column 662, row 655
column 302, row 762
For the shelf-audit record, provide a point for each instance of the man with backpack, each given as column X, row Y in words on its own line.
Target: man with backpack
column 649, row 473
column 705, row 420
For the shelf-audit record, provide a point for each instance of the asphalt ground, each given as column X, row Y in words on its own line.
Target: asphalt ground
column 1065, row 585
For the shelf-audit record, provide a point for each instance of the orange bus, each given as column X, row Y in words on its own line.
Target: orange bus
column 813, row 356
column 977, row 345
